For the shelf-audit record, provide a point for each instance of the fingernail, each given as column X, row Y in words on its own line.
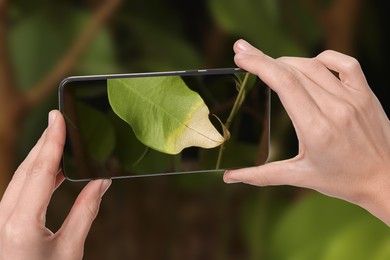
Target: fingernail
column 104, row 187
column 243, row 45
column 229, row 181
column 52, row 118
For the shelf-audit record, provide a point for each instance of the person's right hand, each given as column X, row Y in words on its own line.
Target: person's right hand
column 343, row 132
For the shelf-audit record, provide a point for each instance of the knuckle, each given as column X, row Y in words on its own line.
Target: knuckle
column 259, row 178
column 346, row 114
column 13, row 233
column 321, row 132
column 351, row 64
column 262, row 180
column 90, row 210
column 290, row 79
column 295, row 69
column 55, row 142
column 315, row 65
column 36, row 169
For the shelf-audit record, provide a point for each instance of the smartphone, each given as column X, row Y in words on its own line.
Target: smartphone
column 163, row 123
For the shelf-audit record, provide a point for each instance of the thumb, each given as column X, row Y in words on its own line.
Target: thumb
column 287, row 172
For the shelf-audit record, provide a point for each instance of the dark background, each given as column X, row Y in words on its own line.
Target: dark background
column 196, row 217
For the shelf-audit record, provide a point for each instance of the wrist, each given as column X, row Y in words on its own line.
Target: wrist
column 377, row 198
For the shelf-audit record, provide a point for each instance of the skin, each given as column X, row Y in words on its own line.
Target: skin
column 23, row 234
column 343, row 131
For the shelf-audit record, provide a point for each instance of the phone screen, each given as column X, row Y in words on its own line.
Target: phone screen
column 145, row 124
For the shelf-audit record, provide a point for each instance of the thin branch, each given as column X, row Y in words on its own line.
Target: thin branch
column 43, row 88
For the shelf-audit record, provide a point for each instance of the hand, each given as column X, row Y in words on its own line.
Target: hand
column 343, row 132
column 23, row 234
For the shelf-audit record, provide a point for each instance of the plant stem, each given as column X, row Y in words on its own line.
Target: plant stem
column 236, row 107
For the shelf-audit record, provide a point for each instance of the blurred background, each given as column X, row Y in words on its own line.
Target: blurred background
column 197, row 216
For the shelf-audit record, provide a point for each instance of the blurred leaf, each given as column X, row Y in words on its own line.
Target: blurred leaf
column 99, row 57
column 256, row 21
column 39, row 41
column 97, row 132
column 361, row 239
column 383, row 250
column 164, row 113
column 316, row 225
column 36, row 43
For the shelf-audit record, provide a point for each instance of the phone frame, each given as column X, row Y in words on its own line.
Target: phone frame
column 214, row 71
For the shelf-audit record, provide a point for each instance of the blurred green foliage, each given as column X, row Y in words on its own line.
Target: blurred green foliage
column 319, row 227
column 155, row 35
column 265, row 32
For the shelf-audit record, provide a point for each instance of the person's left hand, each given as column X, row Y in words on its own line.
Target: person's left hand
column 23, row 234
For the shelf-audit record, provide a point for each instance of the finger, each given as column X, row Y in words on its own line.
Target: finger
column 350, row 72
column 78, row 223
column 323, row 79
column 41, row 176
column 325, row 89
column 12, row 192
column 283, row 79
column 287, row 172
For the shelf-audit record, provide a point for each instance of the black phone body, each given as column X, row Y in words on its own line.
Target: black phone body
column 100, row 144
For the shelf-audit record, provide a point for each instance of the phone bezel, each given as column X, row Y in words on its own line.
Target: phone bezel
column 215, row 71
